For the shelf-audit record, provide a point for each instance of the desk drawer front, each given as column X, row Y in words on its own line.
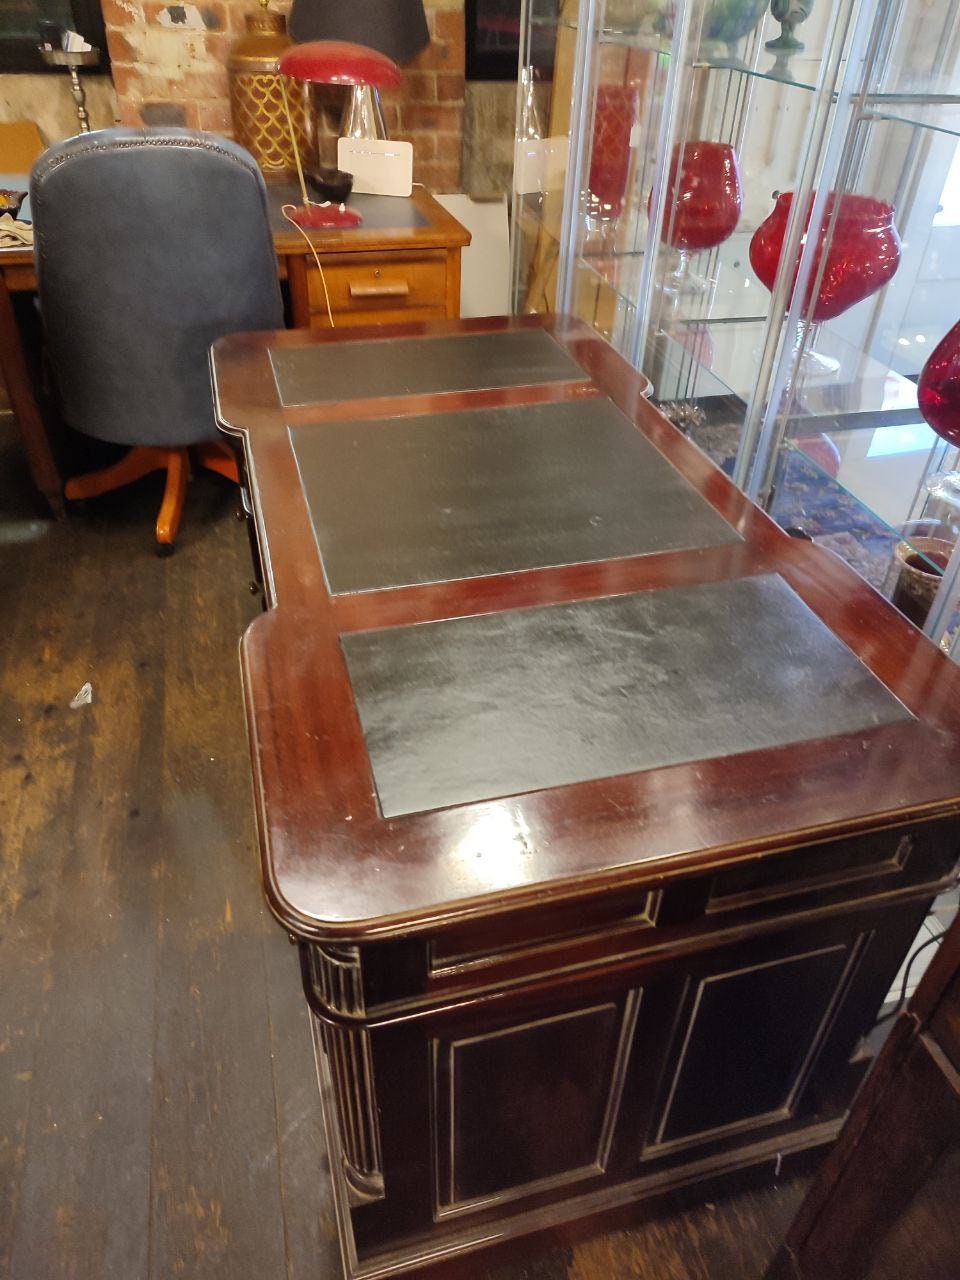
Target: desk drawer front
column 20, row 279
column 687, row 915
column 878, row 862
column 364, row 288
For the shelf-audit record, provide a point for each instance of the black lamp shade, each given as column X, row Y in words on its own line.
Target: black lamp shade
column 397, row 28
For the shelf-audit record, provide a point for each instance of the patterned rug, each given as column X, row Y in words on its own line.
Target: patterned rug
column 807, row 499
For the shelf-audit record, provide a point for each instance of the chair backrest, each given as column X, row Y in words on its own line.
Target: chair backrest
column 150, row 244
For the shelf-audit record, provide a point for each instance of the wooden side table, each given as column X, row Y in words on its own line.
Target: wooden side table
column 401, row 263
column 16, row 274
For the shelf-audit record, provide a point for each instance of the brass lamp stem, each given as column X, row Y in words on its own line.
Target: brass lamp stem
column 293, row 139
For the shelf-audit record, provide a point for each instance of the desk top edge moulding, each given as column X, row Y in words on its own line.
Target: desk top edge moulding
column 603, row 813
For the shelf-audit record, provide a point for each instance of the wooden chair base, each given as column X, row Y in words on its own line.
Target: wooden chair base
column 144, row 459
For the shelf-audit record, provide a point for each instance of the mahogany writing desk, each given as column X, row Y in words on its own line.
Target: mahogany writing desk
column 603, row 812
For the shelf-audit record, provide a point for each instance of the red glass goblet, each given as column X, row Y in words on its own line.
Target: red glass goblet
column 938, row 397
column 862, row 256
column 615, row 117
column 704, row 199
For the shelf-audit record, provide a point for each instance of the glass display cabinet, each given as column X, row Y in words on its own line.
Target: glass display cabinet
column 760, row 208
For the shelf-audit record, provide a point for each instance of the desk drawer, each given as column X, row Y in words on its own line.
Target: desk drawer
column 21, row 279
column 820, row 874
column 655, row 923
column 367, row 288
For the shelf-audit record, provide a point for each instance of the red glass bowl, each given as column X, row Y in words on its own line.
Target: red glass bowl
column 339, row 62
column 862, row 256
column 703, row 205
column 938, row 390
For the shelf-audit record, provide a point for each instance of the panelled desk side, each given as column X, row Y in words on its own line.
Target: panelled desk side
column 678, row 962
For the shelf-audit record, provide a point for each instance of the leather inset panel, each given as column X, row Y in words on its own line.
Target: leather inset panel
column 474, row 708
column 460, row 495
column 420, row 366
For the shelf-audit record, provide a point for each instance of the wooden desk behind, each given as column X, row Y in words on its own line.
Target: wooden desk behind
column 402, row 263
column 603, row 812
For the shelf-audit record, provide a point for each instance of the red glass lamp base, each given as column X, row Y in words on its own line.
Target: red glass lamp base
column 324, row 215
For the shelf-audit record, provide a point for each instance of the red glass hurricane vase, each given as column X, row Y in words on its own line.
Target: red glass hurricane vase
column 615, row 116
column 862, row 256
column 938, row 391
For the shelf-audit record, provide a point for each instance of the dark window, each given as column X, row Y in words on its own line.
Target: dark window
column 493, row 38
column 20, row 30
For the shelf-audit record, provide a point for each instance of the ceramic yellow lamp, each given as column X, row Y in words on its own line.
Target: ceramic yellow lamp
column 256, row 95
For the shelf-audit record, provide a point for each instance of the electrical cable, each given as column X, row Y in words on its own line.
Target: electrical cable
column 316, row 257
column 902, row 999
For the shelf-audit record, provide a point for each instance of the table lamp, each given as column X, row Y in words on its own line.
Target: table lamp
column 335, row 62
column 395, row 28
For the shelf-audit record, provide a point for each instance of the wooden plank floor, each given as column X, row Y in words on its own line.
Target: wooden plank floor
column 158, row 1107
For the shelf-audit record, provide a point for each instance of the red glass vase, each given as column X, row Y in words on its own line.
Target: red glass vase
column 938, row 391
column 704, row 201
column 615, row 116
column 863, row 254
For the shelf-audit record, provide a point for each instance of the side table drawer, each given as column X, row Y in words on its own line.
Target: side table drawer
column 370, row 288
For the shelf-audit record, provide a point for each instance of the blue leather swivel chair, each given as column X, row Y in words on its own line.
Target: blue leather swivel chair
column 149, row 246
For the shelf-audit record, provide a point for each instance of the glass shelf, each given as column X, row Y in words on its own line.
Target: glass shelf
column 922, row 103
column 907, row 83
column 678, row 377
column 925, row 105
column 857, row 489
column 939, row 117
column 801, row 68
column 732, row 290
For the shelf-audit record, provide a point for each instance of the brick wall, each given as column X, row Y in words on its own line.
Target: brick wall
column 169, row 67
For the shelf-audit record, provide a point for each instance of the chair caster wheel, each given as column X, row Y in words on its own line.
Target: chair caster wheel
column 164, row 549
